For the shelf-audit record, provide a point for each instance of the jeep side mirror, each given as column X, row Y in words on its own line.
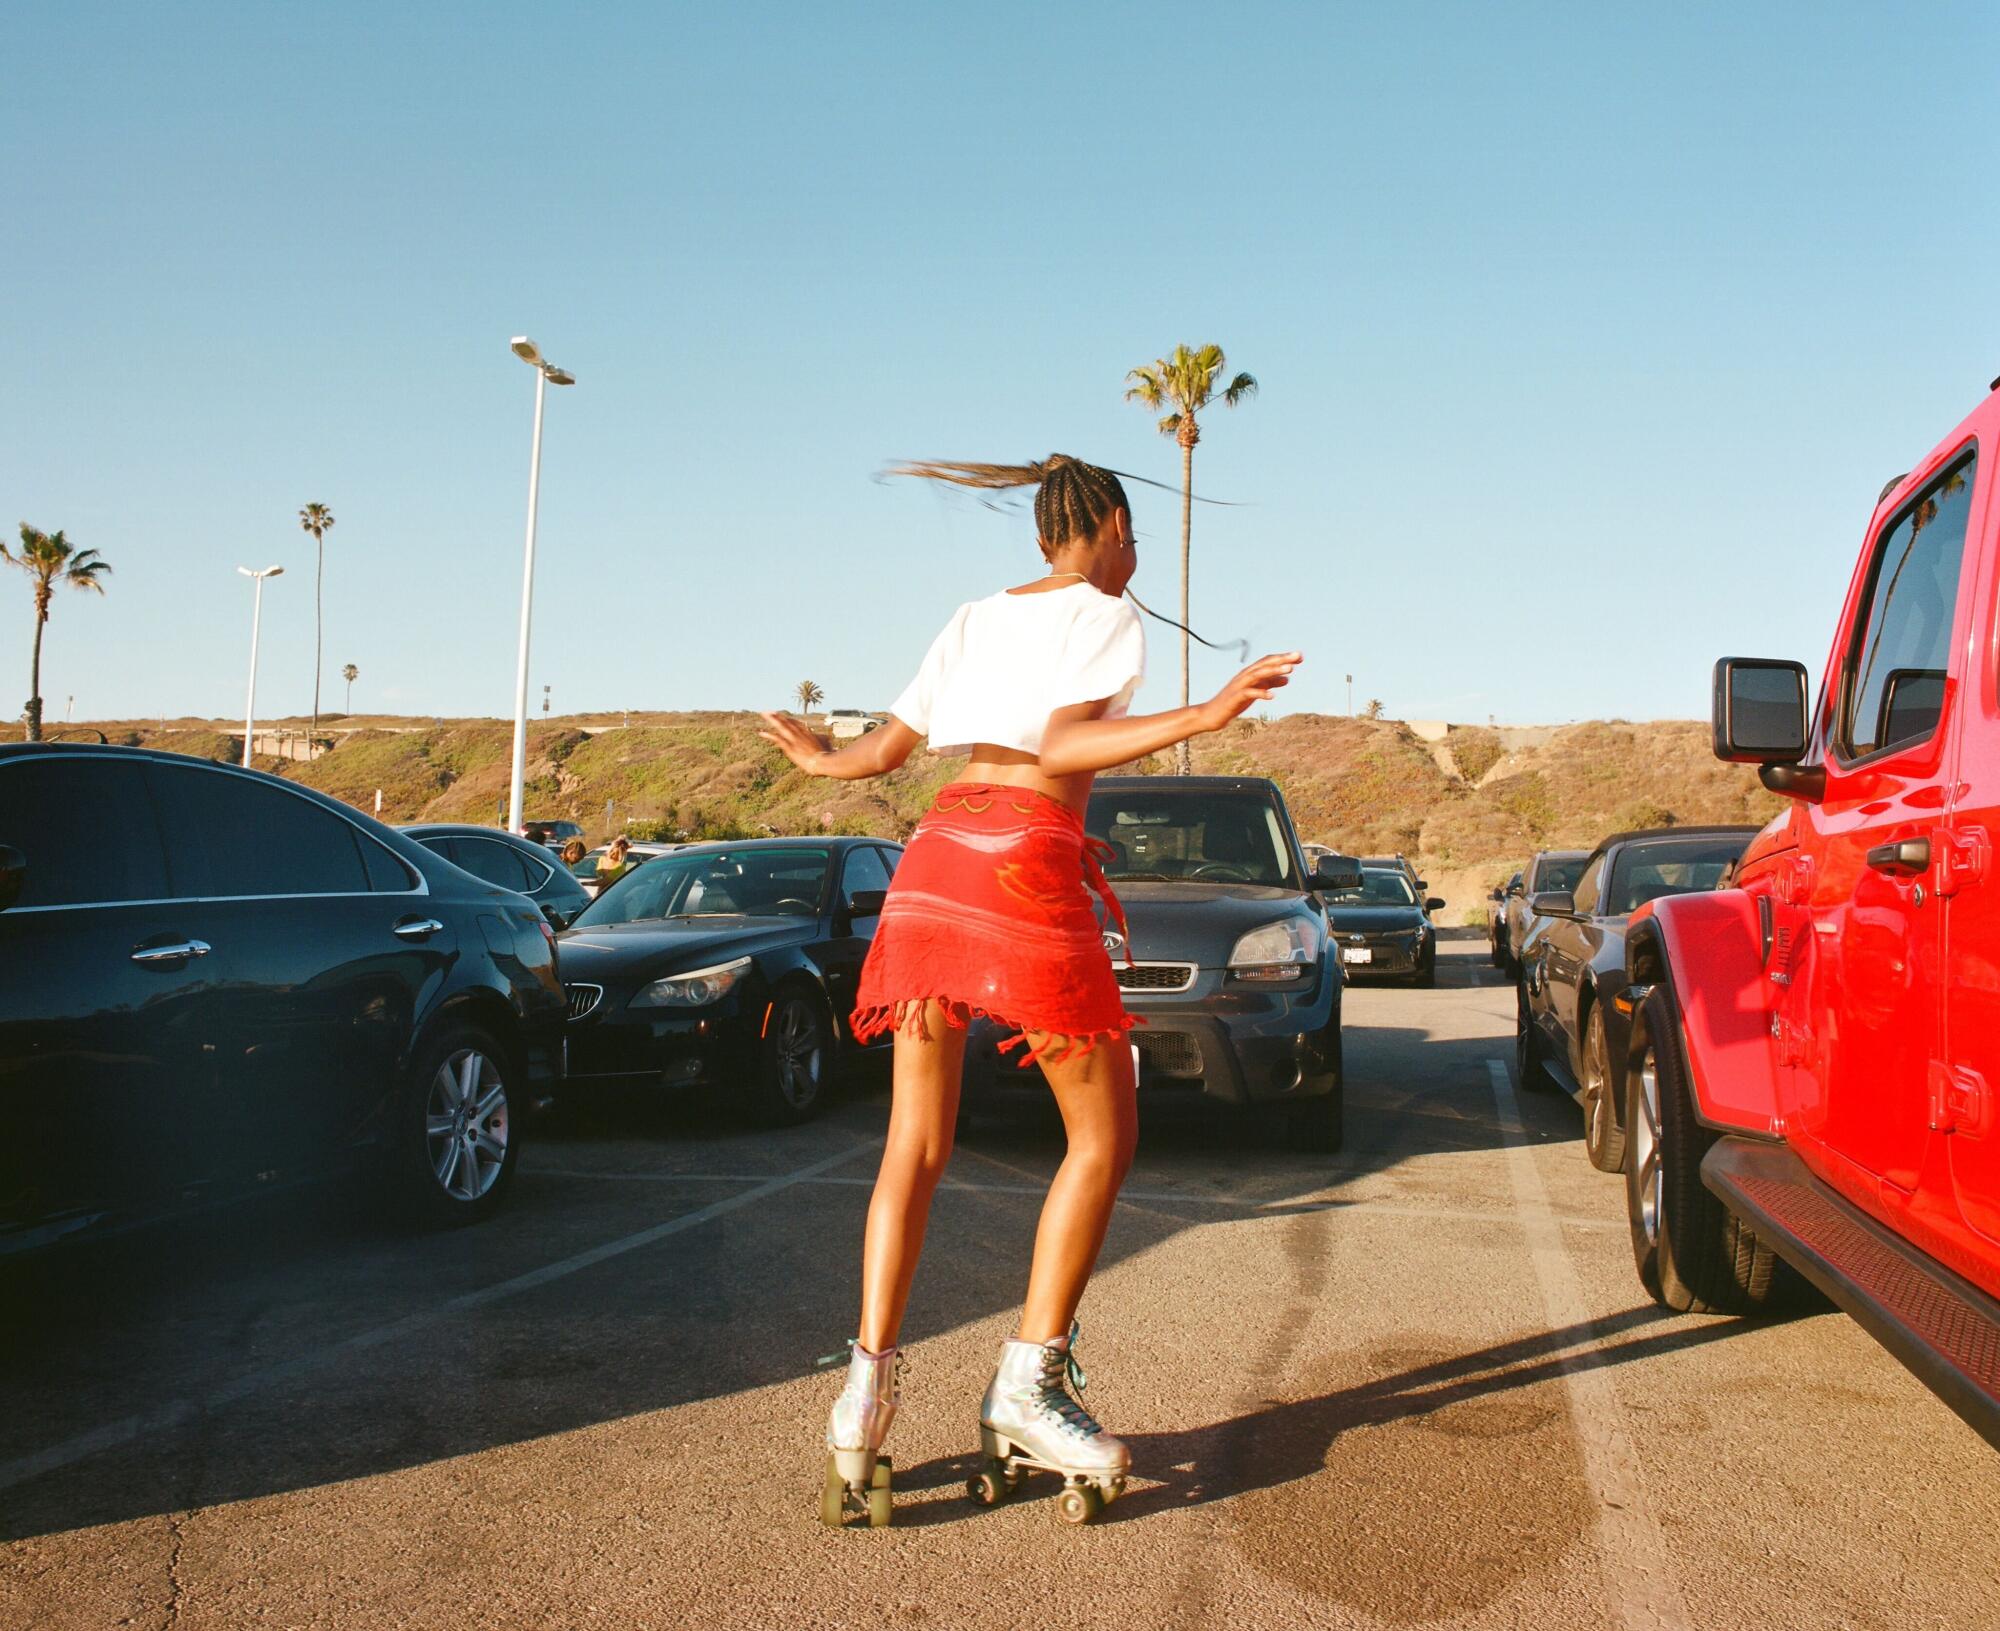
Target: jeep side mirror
column 866, row 902
column 1336, row 872
column 1758, row 715
column 1552, row 903
column 13, row 873
column 1434, row 904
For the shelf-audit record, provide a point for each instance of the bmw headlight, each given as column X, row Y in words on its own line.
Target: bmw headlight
column 1284, row 950
column 695, row 989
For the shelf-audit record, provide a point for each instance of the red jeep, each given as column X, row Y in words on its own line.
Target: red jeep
column 1816, row 1050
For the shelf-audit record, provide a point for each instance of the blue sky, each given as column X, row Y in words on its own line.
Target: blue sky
column 1587, row 335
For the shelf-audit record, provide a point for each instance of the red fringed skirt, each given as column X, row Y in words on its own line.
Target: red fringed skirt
column 990, row 915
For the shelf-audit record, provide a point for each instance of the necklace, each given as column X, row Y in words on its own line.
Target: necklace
column 1083, row 575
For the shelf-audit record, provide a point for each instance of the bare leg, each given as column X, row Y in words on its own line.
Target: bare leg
column 923, row 1113
column 1100, row 1110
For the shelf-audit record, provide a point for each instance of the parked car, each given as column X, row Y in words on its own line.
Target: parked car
column 513, row 863
column 237, row 982
column 1380, row 927
column 1815, row 1068
column 729, row 966
column 585, row 870
column 1547, row 869
column 1496, row 919
column 555, row 833
column 844, row 724
column 1398, row 862
column 1232, row 968
column 1568, row 1027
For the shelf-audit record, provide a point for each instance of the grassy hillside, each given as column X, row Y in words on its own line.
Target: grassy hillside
column 1471, row 809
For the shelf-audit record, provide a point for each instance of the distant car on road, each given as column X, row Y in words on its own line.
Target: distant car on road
column 1547, row 869
column 1496, row 919
column 1232, row 970
column 1398, row 862
column 512, row 863
column 844, row 724
column 238, row 983
column 1382, row 927
column 729, row 966
column 1569, row 1026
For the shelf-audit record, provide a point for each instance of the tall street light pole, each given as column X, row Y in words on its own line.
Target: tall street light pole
column 256, row 623
column 546, row 374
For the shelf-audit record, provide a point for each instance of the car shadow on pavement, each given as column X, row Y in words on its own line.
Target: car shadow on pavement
column 293, row 1343
column 1288, row 1441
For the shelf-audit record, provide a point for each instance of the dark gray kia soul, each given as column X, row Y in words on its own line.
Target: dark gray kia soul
column 1230, row 969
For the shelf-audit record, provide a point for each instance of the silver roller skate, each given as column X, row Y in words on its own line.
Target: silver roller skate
column 1030, row 1419
column 857, row 1473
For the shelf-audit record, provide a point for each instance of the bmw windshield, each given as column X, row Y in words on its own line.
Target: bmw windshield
column 715, row 883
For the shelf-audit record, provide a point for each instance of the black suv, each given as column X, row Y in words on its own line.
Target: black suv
column 214, row 981
column 1231, row 971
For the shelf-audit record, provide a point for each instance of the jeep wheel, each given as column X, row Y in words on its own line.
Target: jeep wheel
column 1528, row 1045
column 1603, row 1138
column 1693, row 1254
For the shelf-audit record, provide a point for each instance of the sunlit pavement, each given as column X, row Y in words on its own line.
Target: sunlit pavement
column 1415, row 1384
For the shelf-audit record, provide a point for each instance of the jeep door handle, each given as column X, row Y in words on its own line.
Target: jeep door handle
column 1911, row 856
column 418, row 928
column 152, row 955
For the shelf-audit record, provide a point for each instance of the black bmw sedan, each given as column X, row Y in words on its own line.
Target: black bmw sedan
column 512, row 863
column 730, row 966
column 213, row 982
column 1384, row 927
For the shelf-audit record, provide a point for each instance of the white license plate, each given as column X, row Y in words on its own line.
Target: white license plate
column 1357, row 954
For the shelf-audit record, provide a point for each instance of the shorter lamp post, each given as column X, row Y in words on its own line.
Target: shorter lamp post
column 256, row 620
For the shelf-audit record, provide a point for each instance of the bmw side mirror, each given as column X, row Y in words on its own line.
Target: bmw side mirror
column 1336, row 872
column 13, row 874
column 866, row 902
column 1553, row 903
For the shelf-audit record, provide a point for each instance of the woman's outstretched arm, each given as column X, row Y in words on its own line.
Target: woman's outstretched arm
column 880, row 751
column 1076, row 743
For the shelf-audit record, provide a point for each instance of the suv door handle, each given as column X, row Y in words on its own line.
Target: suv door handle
column 418, row 928
column 1911, row 856
column 172, row 954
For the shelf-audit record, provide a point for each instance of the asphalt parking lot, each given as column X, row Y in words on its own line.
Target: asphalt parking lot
column 1414, row 1384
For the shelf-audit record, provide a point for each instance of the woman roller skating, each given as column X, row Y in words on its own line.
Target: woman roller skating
column 991, row 915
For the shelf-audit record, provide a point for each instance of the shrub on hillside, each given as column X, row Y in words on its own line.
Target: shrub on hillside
column 1474, row 749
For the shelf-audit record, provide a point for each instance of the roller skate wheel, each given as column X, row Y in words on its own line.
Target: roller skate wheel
column 1079, row 1503
column 833, row 1498
column 879, row 1509
column 883, row 1468
column 987, row 1488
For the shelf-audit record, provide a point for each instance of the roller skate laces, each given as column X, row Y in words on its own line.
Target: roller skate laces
column 1032, row 1420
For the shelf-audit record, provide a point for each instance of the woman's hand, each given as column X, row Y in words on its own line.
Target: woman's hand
column 1254, row 685
column 796, row 743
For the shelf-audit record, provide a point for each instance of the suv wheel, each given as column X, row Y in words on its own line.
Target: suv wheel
column 1603, row 1138
column 796, row 1060
column 1427, row 972
column 1693, row 1254
column 456, row 1137
column 1317, row 1124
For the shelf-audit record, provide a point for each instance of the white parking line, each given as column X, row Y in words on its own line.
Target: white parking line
column 175, row 1411
column 1639, row 1583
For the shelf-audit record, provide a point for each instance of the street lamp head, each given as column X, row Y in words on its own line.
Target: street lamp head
column 558, row 376
column 526, row 350
column 268, row 572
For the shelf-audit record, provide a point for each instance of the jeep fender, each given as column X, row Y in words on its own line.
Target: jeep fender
column 1709, row 950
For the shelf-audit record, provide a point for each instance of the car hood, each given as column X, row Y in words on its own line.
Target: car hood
column 1373, row 919
column 1200, row 923
column 648, row 950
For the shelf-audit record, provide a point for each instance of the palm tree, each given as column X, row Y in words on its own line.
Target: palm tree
column 1184, row 384
column 50, row 558
column 316, row 519
column 810, row 696
column 1373, row 710
column 350, row 674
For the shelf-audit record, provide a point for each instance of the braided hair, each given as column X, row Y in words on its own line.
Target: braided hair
column 1072, row 499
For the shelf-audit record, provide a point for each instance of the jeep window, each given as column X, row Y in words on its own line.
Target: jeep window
column 1902, row 641
column 1682, row 866
column 1589, row 886
column 1202, row 837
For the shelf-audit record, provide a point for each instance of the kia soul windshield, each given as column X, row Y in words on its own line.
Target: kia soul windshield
column 1200, row 838
column 727, row 883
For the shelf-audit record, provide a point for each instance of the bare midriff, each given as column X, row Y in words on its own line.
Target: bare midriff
column 1009, row 767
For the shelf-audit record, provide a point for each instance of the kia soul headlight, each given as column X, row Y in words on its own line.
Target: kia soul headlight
column 1284, row 950
column 695, row 989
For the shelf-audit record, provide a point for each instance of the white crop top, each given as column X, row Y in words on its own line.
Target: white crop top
column 1005, row 663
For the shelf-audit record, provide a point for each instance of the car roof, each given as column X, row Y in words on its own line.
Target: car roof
column 471, row 829
column 1190, row 784
column 1642, row 835
column 829, row 840
column 1558, row 855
